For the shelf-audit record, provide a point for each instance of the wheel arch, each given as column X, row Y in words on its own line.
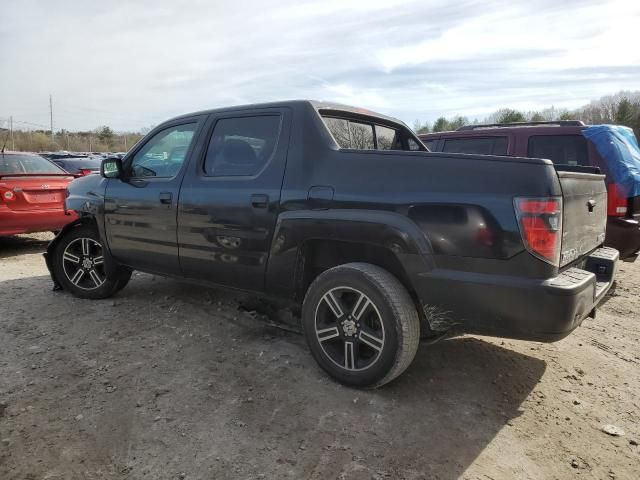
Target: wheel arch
column 83, row 220
column 320, row 254
column 307, row 243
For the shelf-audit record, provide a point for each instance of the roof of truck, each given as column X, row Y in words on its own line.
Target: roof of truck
column 318, row 105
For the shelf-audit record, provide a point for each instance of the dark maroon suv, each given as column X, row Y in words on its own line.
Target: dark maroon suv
column 563, row 143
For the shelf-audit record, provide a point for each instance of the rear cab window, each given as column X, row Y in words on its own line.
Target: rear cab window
column 369, row 134
column 495, row 145
column 560, row 149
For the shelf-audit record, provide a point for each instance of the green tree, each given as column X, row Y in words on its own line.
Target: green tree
column 457, row 122
column 566, row 115
column 537, row 117
column 420, row 127
column 508, row 115
column 636, row 120
column 624, row 113
column 105, row 134
column 441, row 125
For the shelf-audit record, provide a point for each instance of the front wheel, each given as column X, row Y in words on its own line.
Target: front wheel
column 83, row 268
column 361, row 324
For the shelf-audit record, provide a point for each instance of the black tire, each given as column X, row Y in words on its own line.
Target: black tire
column 383, row 334
column 80, row 249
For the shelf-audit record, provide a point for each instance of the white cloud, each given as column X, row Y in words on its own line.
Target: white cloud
column 131, row 64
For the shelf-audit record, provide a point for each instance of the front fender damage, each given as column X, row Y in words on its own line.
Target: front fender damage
column 85, row 197
column 51, row 248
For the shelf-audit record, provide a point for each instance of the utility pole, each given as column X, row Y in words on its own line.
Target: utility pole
column 125, row 142
column 51, row 115
column 13, row 145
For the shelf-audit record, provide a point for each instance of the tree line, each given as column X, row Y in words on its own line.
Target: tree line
column 622, row 108
column 102, row 139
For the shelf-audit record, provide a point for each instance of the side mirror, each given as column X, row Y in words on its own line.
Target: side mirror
column 111, row 168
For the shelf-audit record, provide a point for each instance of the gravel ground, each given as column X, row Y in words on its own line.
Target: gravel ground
column 171, row 381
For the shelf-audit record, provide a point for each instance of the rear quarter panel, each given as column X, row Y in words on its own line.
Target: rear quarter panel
column 461, row 204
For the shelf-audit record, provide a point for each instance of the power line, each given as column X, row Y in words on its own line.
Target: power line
column 51, row 115
column 13, row 145
column 32, row 124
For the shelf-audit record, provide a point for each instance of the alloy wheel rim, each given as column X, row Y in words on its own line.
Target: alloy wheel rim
column 83, row 263
column 349, row 328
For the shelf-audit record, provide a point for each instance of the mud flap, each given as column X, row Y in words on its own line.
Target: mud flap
column 47, row 260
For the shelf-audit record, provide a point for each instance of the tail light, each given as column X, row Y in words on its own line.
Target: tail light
column 85, row 171
column 616, row 200
column 540, row 221
column 8, row 195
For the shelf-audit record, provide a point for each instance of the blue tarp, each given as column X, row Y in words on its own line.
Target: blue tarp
column 618, row 146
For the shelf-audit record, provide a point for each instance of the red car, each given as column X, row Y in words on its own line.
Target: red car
column 32, row 193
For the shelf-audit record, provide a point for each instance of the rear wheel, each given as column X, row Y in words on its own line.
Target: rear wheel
column 83, row 267
column 361, row 325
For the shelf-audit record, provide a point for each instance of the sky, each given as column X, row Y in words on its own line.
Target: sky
column 132, row 64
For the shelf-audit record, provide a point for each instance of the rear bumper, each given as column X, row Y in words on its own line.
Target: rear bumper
column 541, row 310
column 14, row 222
column 623, row 234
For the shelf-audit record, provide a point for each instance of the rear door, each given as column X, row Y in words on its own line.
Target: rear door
column 229, row 200
column 141, row 208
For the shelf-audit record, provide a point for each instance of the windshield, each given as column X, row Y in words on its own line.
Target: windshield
column 11, row 164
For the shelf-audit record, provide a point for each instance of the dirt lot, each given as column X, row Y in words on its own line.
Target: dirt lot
column 168, row 381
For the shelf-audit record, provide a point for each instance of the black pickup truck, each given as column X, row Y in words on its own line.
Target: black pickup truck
column 345, row 213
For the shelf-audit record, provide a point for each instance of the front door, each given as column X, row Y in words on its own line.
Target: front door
column 230, row 198
column 140, row 208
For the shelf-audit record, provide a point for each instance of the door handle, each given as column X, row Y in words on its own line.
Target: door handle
column 165, row 198
column 259, row 200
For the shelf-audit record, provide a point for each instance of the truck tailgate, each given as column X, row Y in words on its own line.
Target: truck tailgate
column 584, row 216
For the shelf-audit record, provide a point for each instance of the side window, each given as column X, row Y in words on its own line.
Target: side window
column 339, row 128
column 241, row 146
column 413, row 145
column 387, row 137
column 500, row 145
column 361, row 136
column 561, row 149
column 430, row 144
column 351, row 134
column 164, row 153
column 477, row 145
